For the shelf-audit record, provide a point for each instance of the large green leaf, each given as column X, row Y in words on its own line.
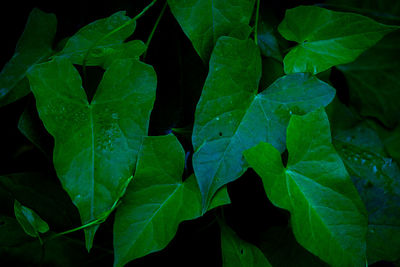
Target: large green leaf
column 204, row 21
column 327, row 38
column 103, row 52
column 34, row 46
column 231, row 117
column 377, row 179
column 29, row 220
column 327, row 215
column 373, row 80
column 96, row 144
column 157, row 201
column 237, row 252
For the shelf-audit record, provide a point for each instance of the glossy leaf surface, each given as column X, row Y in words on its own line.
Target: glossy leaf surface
column 231, row 117
column 103, row 52
column 34, row 46
column 96, row 144
column 29, row 220
column 377, row 180
column 327, row 38
column 327, row 215
column 157, row 201
column 204, row 21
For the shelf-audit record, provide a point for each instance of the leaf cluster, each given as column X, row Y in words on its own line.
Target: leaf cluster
column 248, row 132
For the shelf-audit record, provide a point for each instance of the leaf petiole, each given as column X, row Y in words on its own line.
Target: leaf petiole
column 154, row 29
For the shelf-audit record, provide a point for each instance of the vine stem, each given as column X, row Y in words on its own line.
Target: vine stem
column 256, row 23
column 129, row 22
column 154, row 29
column 100, row 220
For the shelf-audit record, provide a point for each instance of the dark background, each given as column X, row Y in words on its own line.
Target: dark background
column 181, row 74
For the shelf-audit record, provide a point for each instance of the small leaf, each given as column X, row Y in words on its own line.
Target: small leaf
column 231, row 117
column 327, row 215
column 29, row 220
column 157, row 201
column 96, row 144
column 237, row 252
column 104, row 52
column 327, row 38
column 34, row 46
column 373, row 81
column 204, row 21
column 377, row 180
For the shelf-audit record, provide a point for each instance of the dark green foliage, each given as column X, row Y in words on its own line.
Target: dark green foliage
column 146, row 130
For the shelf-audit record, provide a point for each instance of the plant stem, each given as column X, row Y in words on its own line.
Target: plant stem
column 256, row 23
column 154, row 29
column 129, row 22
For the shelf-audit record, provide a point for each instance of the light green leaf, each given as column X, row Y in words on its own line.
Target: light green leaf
column 327, row 215
column 204, row 21
column 34, row 46
column 109, row 49
column 157, row 201
column 237, row 252
column 373, row 81
column 231, row 117
column 29, row 220
column 377, row 179
column 327, row 38
column 96, row 144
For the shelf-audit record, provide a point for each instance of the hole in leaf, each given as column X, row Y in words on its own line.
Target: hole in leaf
column 220, row 134
column 241, row 251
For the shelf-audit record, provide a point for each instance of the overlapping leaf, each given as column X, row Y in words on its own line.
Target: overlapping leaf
column 204, row 21
column 327, row 215
column 327, row 38
column 29, row 220
column 231, row 117
column 237, row 252
column 373, row 80
column 34, row 46
column 96, row 144
column 377, row 180
column 157, row 201
column 103, row 51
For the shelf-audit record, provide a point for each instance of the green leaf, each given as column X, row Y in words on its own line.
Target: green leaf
column 267, row 35
column 34, row 46
column 104, row 52
column 204, row 21
column 30, row 125
column 157, row 200
column 373, row 81
column 96, row 144
column 231, row 117
column 383, row 10
column 327, row 38
column 377, row 179
column 327, row 215
column 41, row 193
column 237, row 252
column 281, row 249
column 29, row 220
column 19, row 249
